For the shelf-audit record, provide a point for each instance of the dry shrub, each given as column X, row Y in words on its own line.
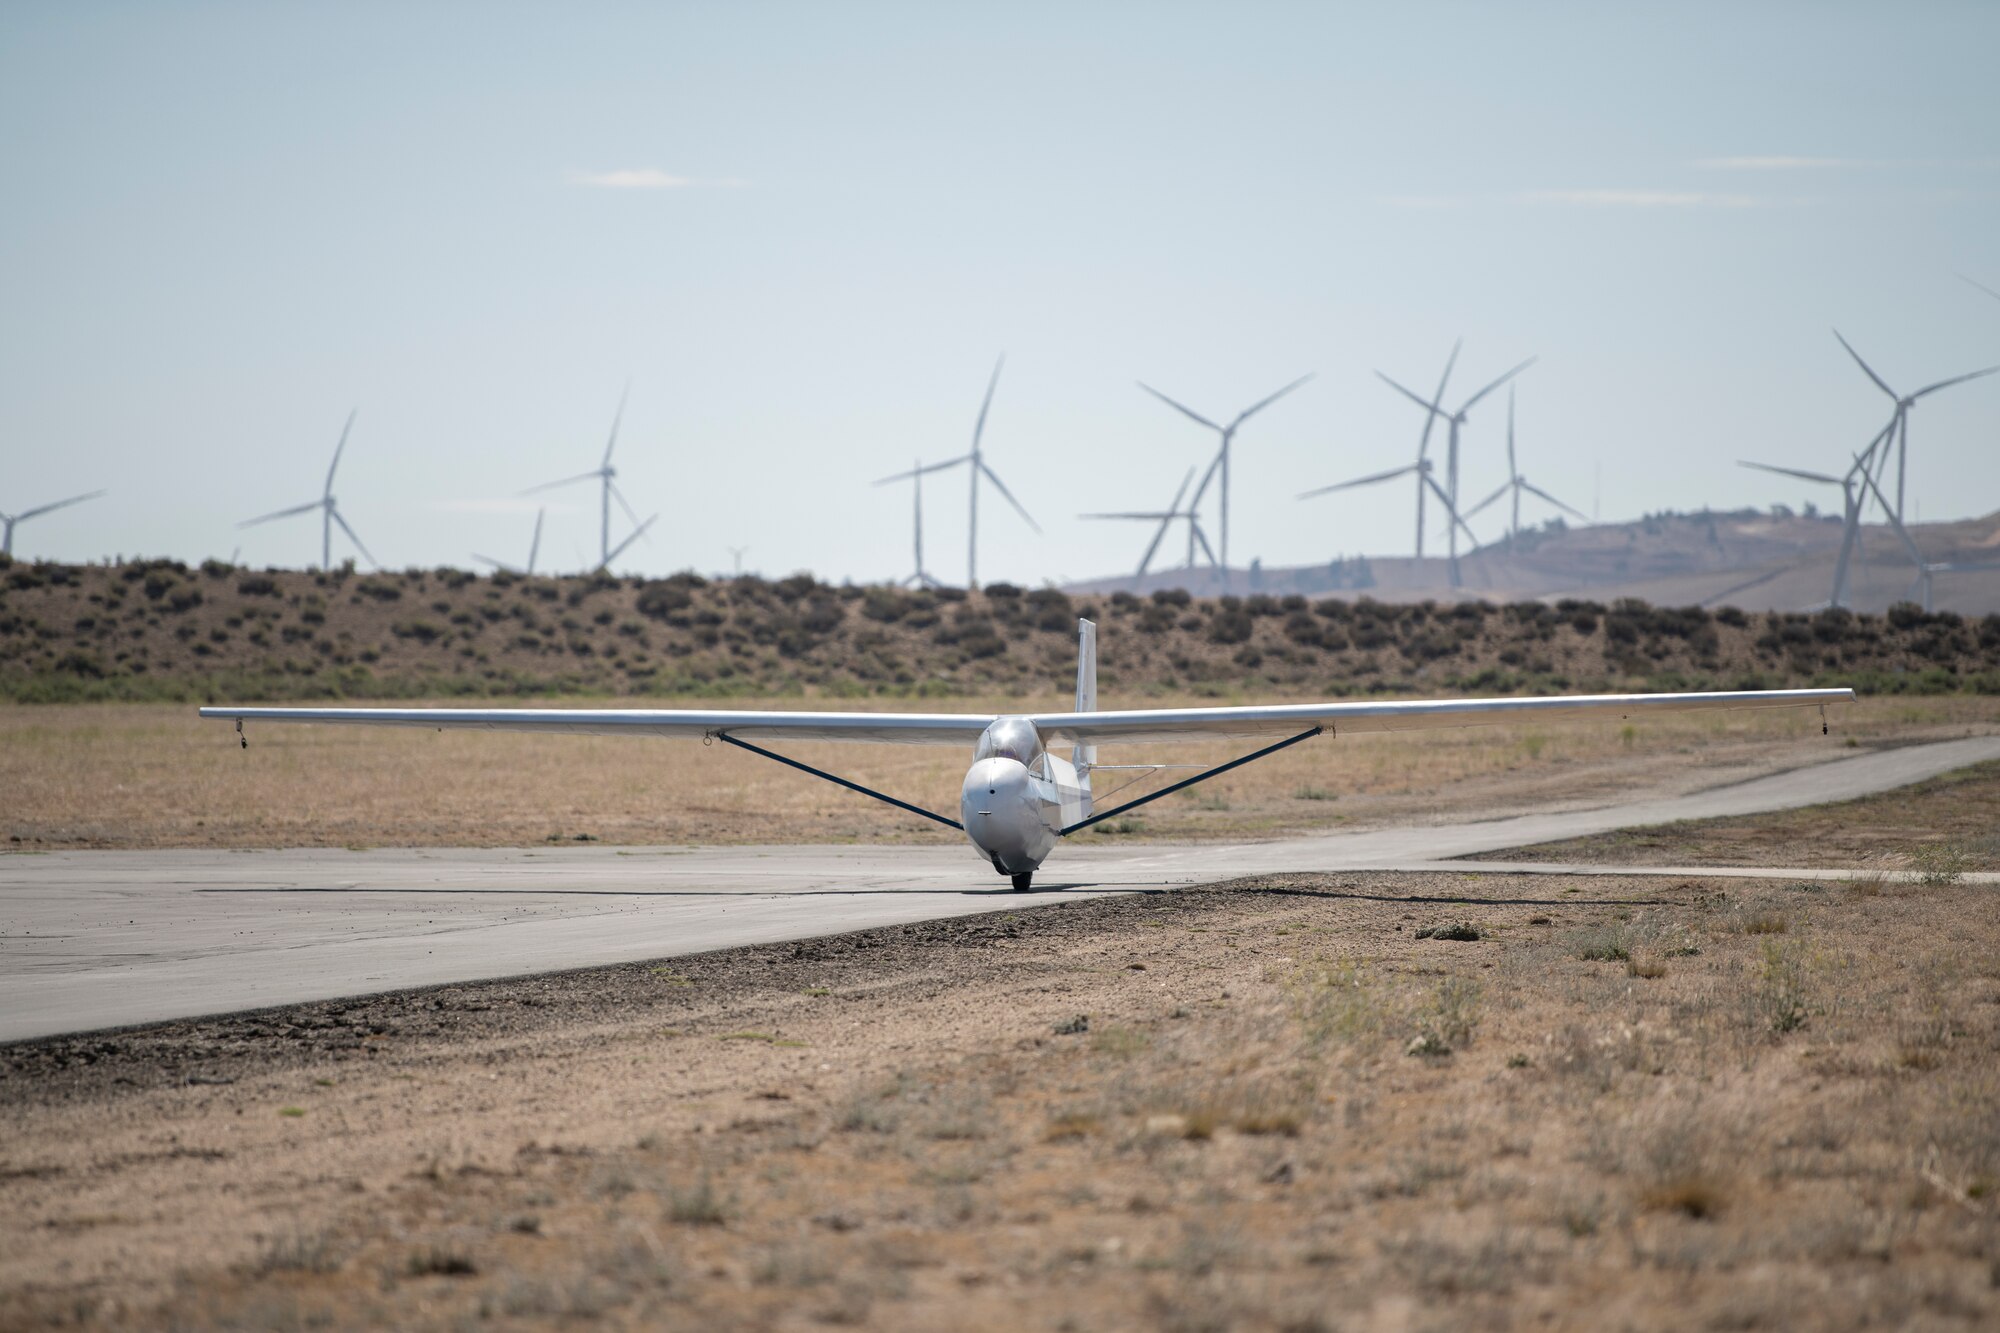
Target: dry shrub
column 1338, row 1002
column 1781, row 995
column 1941, row 863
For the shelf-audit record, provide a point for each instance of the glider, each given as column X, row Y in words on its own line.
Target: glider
column 1019, row 799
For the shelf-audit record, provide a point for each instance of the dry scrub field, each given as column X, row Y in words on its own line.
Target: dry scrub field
column 1272, row 1105
column 154, row 775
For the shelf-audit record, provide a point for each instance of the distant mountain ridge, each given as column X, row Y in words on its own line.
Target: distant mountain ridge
column 1750, row 559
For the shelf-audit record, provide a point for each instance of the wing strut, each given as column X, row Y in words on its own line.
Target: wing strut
column 843, row 782
column 1202, row 776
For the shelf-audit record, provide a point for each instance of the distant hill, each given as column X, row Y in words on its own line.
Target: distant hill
column 162, row 630
column 1749, row 559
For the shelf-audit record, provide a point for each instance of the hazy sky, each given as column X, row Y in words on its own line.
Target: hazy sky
column 804, row 232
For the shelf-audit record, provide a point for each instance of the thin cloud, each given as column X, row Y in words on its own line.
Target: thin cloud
column 1774, row 163
column 1639, row 199
column 645, row 178
column 1425, row 201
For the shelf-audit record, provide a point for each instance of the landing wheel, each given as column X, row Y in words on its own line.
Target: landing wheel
column 1023, row 880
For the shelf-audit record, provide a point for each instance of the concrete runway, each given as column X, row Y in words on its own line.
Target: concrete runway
column 91, row 940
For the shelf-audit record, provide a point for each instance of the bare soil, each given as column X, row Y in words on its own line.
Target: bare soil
column 1269, row 1105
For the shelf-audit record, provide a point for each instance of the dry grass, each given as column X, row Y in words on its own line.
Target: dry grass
column 145, row 775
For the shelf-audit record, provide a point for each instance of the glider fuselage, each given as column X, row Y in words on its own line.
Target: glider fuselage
column 1017, row 798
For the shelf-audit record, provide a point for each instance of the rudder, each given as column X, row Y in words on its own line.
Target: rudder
column 1086, row 690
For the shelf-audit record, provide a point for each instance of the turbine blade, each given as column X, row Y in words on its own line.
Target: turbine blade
column 619, row 496
column 926, row 468
column 1184, row 411
column 1982, row 287
column 566, row 481
column 1451, row 513
column 338, row 449
column 1214, row 465
column 1530, row 486
column 1800, row 473
column 1174, row 508
column 616, row 419
column 1512, row 470
column 1490, row 499
column 979, row 427
column 1206, row 549
column 619, row 549
column 1866, row 368
column 497, row 564
column 1361, row 481
column 1263, row 403
column 1467, row 405
column 1001, row 486
column 356, row 540
column 1428, row 407
column 282, row 513
column 1445, row 378
column 535, row 546
column 1959, row 379
column 1152, row 547
column 60, row 504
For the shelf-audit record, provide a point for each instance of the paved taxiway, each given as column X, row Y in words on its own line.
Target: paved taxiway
column 91, row 940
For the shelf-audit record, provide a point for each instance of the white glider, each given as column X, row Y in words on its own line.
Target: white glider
column 1018, row 799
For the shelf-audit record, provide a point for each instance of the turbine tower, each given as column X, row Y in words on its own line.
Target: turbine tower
column 1228, row 434
column 7, row 521
column 534, row 547
column 1455, row 423
column 328, row 507
column 1165, row 518
column 605, row 474
column 922, row 577
column 1897, row 434
column 1517, row 483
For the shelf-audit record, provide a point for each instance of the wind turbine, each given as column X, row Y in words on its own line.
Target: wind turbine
column 1422, row 468
column 1850, row 509
column 328, row 507
column 1897, row 434
column 1228, row 434
column 921, row 578
column 605, row 473
column 1165, row 518
column 7, row 521
column 534, row 547
column 1454, row 422
column 976, row 461
column 1517, row 483
column 736, row 555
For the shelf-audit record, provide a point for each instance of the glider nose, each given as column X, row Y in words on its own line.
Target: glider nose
column 998, row 808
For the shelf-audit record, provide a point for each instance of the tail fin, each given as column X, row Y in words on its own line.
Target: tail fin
column 1086, row 689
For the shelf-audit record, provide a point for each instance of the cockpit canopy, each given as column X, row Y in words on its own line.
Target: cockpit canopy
column 1010, row 738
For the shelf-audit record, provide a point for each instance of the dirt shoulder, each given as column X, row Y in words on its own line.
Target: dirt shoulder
column 1647, row 1105
column 1950, row 823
